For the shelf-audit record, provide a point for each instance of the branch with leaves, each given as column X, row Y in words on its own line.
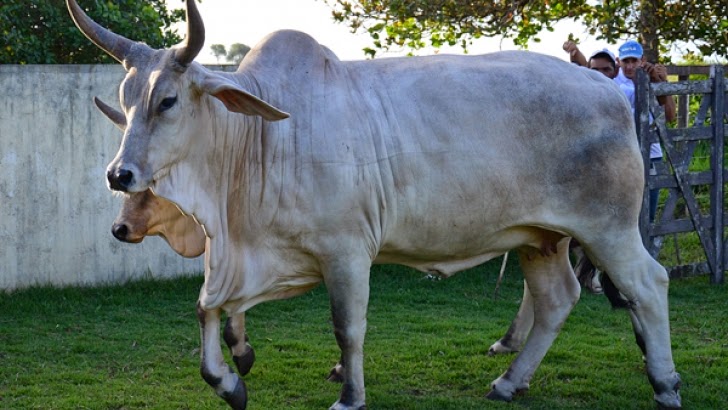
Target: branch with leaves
column 42, row 31
column 420, row 23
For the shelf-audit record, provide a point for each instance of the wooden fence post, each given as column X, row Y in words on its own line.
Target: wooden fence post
column 717, row 112
column 642, row 121
column 683, row 111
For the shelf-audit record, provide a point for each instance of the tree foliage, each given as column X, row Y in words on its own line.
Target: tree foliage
column 233, row 55
column 236, row 52
column 218, row 50
column 418, row 23
column 42, row 31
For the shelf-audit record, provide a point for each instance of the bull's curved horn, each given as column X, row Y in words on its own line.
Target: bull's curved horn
column 195, row 39
column 112, row 43
column 116, row 116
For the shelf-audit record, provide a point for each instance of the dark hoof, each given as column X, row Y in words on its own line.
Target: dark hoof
column 670, row 399
column 245, row 362
column 496, row 395
column 238, row 399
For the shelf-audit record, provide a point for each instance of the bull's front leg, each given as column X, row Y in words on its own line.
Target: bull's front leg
column 348, row 288
column 237, row 340
column 213, row 368
column 519, row 329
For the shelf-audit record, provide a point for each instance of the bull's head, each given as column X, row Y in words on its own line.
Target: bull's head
column 145, row 214
column 162, row 97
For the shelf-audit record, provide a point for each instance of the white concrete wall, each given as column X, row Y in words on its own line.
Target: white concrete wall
column 55, row 209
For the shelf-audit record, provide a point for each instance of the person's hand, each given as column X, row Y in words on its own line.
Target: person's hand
column 571, row 48
column 657, row 72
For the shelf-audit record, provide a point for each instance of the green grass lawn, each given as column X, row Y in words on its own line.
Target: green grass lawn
column 137, row 347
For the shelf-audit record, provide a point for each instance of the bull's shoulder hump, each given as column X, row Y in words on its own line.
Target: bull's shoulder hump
column 283, row 43
column 285, row 55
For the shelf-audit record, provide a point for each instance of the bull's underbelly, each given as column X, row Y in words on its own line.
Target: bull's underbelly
column 442, row 268
column 452, row 254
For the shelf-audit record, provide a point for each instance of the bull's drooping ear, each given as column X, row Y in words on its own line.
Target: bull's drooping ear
column 238, row 100
column 116, row 116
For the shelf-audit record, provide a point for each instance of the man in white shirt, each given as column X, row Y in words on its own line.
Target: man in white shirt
column 630, row 58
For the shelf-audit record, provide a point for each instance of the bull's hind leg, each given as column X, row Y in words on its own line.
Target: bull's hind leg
column 237, row 340
column 555, row 290
column 644, row 282
column 519, row 329
column 213, row 368
column 619, row 302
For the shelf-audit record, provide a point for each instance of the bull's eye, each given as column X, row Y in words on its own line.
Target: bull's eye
column 167, row 103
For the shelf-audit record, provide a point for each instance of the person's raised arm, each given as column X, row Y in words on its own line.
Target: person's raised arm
column 575, row 55
column 658, row 74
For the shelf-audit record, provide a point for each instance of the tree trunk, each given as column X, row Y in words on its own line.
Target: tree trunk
column 649, row 24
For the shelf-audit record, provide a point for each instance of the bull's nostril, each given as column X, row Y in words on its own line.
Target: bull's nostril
column 120, row 180
column 125, row 177
column 120, row 231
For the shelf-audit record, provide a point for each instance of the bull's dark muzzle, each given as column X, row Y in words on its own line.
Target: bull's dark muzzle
column 120, row 179
column 120, row 232
column 125, row 233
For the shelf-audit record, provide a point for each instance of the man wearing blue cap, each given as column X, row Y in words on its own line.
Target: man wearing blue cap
column 630, row 58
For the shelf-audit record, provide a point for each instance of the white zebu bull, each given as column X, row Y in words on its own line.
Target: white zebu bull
column 144, row 214
column 439, row 163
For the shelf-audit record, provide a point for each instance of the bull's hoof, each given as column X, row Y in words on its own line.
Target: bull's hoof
column 676, row 406
column 670, row 398
column 339, row 406
column 238, row 398
column 245, row 362
column 336, row 375
column 499, row 396
column 503, row 389
column 350, row 398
